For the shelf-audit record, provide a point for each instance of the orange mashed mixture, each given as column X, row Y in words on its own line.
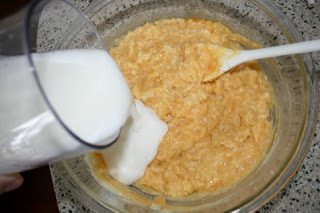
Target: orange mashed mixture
column 219, row 131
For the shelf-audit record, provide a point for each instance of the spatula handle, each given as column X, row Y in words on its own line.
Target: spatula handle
column 288, row 49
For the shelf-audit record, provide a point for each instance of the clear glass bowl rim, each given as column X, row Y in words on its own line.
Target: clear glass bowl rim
column 286, row 175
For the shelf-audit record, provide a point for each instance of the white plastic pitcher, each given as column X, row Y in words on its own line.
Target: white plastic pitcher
column 31, row 131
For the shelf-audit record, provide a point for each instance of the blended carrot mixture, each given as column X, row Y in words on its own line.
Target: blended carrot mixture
column 219, row 130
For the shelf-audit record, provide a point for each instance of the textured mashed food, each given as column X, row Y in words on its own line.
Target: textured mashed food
column 219, row 130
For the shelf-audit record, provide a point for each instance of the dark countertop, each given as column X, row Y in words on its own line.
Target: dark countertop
column 35, row 195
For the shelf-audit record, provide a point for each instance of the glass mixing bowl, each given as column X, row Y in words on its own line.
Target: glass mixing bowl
column 294, row 115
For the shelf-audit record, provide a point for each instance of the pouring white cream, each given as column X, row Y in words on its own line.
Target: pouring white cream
column 91, row 97
column 137, row 145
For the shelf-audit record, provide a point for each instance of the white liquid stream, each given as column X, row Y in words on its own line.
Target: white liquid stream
column 137, row 146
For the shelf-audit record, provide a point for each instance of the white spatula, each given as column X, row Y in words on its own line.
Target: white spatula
column 236, row 57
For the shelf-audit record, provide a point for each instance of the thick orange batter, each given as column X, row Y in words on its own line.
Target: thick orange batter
column 218, row 131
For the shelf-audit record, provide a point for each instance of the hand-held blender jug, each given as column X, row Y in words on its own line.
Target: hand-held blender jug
column 32, row 131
